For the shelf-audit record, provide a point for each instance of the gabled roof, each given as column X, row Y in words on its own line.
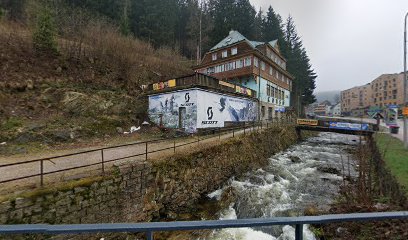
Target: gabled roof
column 273, row 43
column 255, row 43
column 235, row 37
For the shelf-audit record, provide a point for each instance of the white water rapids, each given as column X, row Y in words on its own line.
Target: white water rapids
column 293, row 181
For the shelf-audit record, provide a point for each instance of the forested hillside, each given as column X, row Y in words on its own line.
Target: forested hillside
column 177, row 24
column 72, row 69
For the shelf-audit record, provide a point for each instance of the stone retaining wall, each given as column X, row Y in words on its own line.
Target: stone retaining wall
column 117, row 197
column 165, row 188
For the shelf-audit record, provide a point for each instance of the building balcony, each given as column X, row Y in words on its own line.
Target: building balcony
column 198, row 80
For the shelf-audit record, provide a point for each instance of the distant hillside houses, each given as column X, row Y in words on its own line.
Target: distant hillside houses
column 324, row 109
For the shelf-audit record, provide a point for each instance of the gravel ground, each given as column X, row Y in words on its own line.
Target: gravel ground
column 92, row 156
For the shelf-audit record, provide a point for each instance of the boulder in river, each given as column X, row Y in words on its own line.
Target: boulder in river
column 295, row 159
column 328, row 169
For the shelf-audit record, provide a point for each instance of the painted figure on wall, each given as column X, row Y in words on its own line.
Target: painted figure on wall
column 174, row 111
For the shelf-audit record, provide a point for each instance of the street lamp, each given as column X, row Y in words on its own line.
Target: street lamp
column 405, row 83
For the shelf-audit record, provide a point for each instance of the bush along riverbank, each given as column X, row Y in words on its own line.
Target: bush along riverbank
column 182, row 179
column 375, row 190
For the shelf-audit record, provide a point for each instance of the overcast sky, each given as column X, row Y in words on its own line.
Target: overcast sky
column 349, row 42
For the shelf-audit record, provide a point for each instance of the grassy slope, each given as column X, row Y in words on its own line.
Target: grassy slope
column 395, row 156
column 72, row 99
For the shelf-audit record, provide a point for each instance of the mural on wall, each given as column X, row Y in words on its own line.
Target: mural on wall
column 174, row 110
column 215, row 109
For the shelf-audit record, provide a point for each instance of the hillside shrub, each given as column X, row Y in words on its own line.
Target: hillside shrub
column 44, row 33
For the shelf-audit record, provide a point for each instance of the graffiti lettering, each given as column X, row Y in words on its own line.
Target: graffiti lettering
column 210, row 113
column 209, row 122
column 187, row 104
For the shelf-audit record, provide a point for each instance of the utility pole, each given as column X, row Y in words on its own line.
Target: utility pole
column 405, row 83
column 259, row 90
column 199, row 44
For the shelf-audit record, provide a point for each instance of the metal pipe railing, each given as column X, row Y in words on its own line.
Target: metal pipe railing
column 103, row 161
column 150, row 228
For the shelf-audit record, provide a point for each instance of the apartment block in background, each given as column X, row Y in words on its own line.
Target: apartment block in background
column 387, row 89
column 355, row 101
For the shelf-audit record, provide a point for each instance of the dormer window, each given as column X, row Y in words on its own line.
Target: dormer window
column 225, row 54
column 214, row 56
column 234, row 51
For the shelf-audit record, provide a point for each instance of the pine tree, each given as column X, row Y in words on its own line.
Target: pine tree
column 272, row 26
column 299, row 66
column 124, row 23
column 257, row 32
column 44, row 34
column 158, row 22
column 244, row 19
column 14, row 8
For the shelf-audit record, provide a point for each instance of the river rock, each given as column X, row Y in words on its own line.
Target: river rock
column 295, row 159
column 119, row 130
column 61, row 136
column 24, row 138
column 328, row 169
column 311, row 211
column 381, row 207
column 341, row 231
column 30, row 84
column 35, row 126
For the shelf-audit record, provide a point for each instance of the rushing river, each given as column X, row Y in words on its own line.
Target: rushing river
column 307, row 174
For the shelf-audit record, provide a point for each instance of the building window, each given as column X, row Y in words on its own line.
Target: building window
column 214, row 56
column 255, row 61
column 270, row 70
column 240, row 63
column 225, row 54
column 234, row 51
column 263, row 65
column 247, row 62
column 210, row 70
column 232, row 65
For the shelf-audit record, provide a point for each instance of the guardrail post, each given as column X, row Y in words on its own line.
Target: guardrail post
column 299, row 232
column 198, row 138
column 103, row 160
column 42, row 172
column 233, row 132
column 244, row 128
column 174, row 145
column 146, row 151
column 149, row 235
